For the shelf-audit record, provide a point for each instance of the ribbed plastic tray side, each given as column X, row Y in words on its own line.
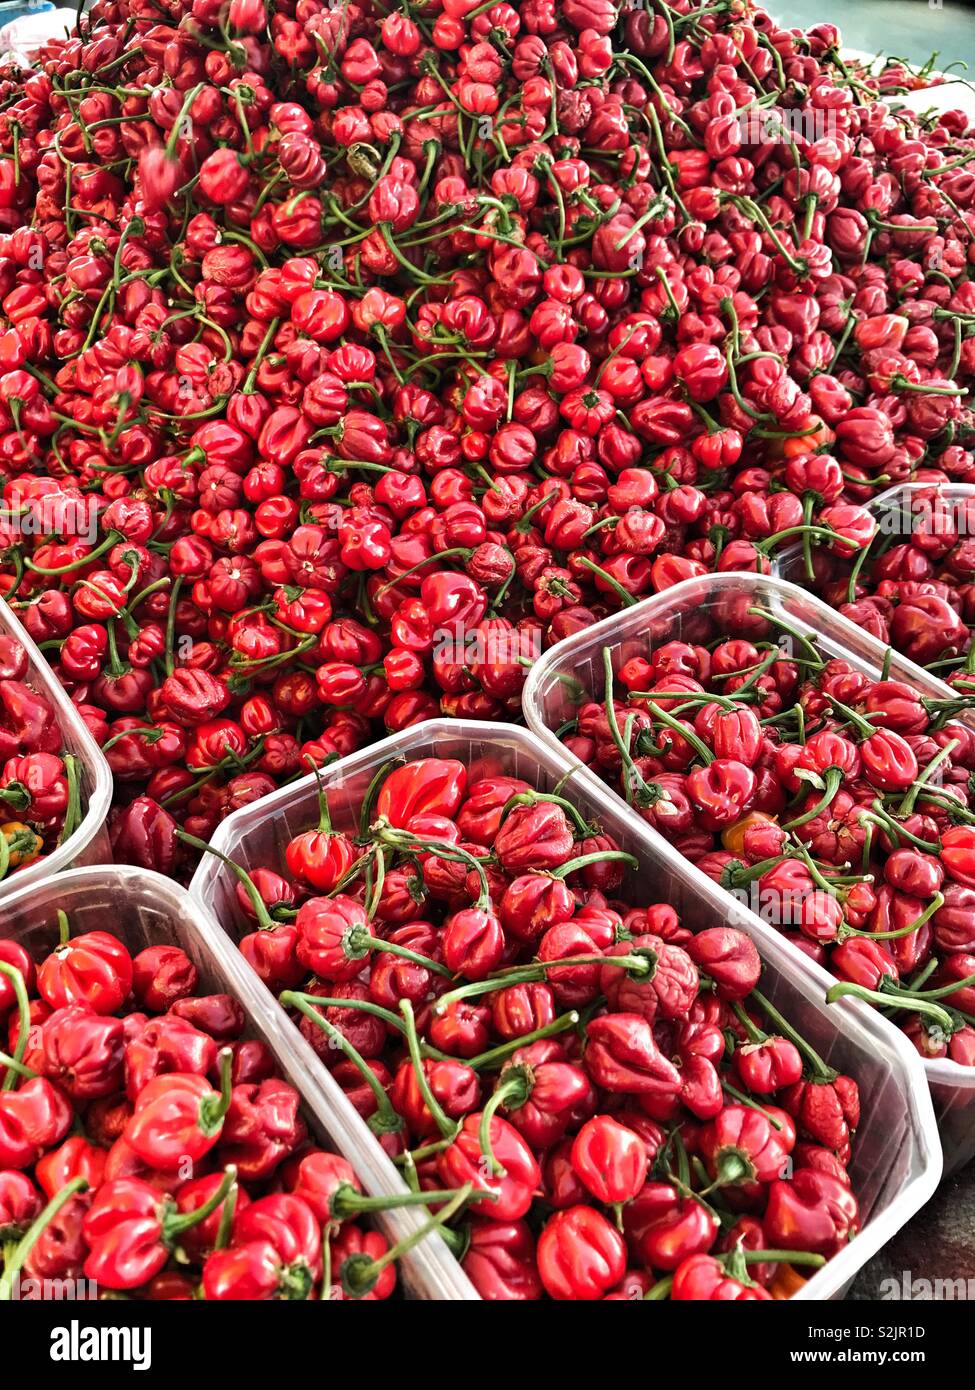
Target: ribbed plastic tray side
column 696, row 610
column 144, row 908
column 897, row 1163
column 790, row 564
column 90, row 843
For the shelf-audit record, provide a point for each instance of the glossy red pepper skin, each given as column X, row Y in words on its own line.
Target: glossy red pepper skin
column 94, row 970
column 432, row 786
column 765, row 1067
column 730, row 958
column 276, row 1253
column 703, row 1278
column 262, row 1127
column 742, row 1146
column 461, row 1163
column 319, row 858
column 545, row 1092
column 32, row 1119
column 20, row 1203
column 500, row 1261
column 610, row 1160
column 82, row 1052
column 623, row 1056
column 814, row 1211
column 124, row 1231
column 580, row 1255
column 663, row 1228
column 175, row 1121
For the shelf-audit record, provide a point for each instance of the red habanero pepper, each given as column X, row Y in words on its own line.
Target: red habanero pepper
column 622, row 1055
column 729, row 958
column 540, row 1091
column 742, row 1145
column 462, row 1162
column 812, row 1211
column 178, row 1118
column 320, row 857
column 430, row 786
column 500, row 1261
column 33, row 1119
column 580, row 1255
column 161, row 975
column 76, row 1157
column 94, row 969
column 704, row 1278
column 82, row 1052
column 131, row 1231
column 276, row 1253
column 610, row 1159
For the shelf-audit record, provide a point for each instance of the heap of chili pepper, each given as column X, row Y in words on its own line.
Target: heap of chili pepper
column 41, row 800
column 640, row 1119
column 148, row 1146
column 348, row 358
column 835, row 805
column 911, row 585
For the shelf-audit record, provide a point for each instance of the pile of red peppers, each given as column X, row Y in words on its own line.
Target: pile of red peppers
column 835, row 805
column 150, row 1149
column 911, row 587
column 41, row 799
column 629, row 1114
column 350, row 357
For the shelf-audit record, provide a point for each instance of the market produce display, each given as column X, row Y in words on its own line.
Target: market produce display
column 911, row 586
column 342, row 330
column 40, row 784
column 351, row 356
column 147, row 1146
column 834, row 803
column 632, row 1116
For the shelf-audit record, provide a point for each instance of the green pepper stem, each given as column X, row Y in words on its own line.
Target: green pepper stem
column 264, row 919
column 833, row 777
column 598, row 857
column 874, row 996
column 174, row 1226
column 19, row 986
column 23, row 1248
column 446, row 1126
column 822, row 1071
column 360, row 1273
column 385, row 1119
column 910, row 796
column 504, row 1050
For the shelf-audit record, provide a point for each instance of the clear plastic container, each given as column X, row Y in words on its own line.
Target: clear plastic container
column 790, row 563
column 90, row 843
column 897, row 1158
column 145, row 908
column 697, row 610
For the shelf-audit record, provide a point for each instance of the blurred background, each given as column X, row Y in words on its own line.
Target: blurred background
column 907, row 28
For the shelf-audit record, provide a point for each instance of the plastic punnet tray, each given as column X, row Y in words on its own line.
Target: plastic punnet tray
column 698, row 610
column 892, row 510
column 89, row 844
column 897, row 1158
column 144, row 908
